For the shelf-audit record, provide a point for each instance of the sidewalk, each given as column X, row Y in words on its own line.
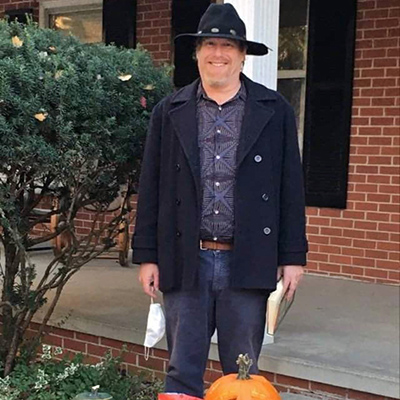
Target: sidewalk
column 338, row 332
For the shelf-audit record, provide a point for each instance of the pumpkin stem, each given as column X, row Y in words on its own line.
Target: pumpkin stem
column 244, row 363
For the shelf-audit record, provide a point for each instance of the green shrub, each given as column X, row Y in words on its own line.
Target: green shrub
column 73, row 119
column 49, row 379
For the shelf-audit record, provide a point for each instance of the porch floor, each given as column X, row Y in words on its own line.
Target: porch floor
column 338, row 332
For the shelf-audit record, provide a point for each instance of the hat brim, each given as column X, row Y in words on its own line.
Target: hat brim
column 253, row 48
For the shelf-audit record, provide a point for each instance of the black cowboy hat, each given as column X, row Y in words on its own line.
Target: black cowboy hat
column 223, row 21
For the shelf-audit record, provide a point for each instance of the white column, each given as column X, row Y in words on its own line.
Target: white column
column 262, row 24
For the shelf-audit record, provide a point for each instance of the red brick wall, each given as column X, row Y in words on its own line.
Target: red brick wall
column 156, row 366
column 154, row 28
column 362, row 242
column 84, row 218
column 13, row 5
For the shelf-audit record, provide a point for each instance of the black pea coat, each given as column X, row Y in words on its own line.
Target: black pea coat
column 268, row 199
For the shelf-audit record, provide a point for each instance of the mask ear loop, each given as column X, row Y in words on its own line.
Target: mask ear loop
column 147, row 349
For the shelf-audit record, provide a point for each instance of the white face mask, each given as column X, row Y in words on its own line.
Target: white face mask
column 155, row 327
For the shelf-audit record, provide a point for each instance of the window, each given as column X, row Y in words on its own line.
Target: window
column 292, row 58
column 82, row 18
column 20, row 14
column 111, row 21
column 87, row 25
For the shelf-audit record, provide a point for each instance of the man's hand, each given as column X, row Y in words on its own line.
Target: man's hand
column 149, row 278
column 292, row 275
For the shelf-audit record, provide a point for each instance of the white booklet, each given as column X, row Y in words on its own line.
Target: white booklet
column 277, row 307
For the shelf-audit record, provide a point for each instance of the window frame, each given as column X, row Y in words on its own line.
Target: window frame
column 48, row 7
column 299, row 74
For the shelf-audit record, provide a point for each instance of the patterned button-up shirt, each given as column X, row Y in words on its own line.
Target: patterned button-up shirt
column 219, row 130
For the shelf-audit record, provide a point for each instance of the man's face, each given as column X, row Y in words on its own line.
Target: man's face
column 219, row 61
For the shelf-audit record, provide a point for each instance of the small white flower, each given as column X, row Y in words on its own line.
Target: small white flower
column 46, row 356
column 46, row 352
column 99, row 366
column 46, row 348
column 43, row 54
column 41, row 379
column 69, row 371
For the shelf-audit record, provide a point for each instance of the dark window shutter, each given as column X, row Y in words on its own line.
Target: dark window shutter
column 119, row 22
column 185, row 19
column 328, row 101
column 19, row 15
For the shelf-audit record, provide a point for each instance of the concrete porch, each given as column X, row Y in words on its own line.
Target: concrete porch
column 338, row 332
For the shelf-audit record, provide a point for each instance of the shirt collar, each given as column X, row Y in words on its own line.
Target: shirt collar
column 201, row 94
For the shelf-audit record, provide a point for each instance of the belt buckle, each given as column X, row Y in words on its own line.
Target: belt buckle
column 206, row 248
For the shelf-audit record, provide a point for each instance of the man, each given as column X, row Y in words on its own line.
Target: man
column 221, row 205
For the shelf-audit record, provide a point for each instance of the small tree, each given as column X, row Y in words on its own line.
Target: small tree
column 73, row 118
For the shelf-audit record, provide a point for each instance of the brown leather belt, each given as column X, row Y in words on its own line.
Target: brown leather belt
column 210, row 245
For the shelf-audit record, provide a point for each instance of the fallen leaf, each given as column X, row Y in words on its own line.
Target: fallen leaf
column 16, row 41
column 149, row 87
column 124, row 78
column 41, row 116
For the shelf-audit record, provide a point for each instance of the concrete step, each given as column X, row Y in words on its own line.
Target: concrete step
column 293, row 396
column 309, row 344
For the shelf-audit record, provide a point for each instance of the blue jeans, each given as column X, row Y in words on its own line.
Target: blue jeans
column 193, row 315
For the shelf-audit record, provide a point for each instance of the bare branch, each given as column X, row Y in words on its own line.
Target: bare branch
column 49, row 269
column 7, row 304
column 22, row 273
column 51, row 308
column 17, row 240
column 39, row 219
column 59, row 230
column 37, row 198
column 13, row 348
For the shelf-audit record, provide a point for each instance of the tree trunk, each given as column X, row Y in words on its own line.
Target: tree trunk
column 10, row 272
column 12, row 350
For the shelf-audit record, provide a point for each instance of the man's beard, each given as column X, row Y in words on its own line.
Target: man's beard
column 213, row 82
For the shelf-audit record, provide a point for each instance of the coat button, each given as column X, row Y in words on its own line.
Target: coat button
column 178, row 234
column 267, row 230
column 257, row 158
column 265, row 197
column 178, row 167
column 178, row 202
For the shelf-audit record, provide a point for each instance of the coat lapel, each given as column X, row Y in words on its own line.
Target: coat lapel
column 183, row 116
column 256, row 116
column 184, row 119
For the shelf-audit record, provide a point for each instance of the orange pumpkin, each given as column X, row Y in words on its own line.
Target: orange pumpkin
column 242, row 386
